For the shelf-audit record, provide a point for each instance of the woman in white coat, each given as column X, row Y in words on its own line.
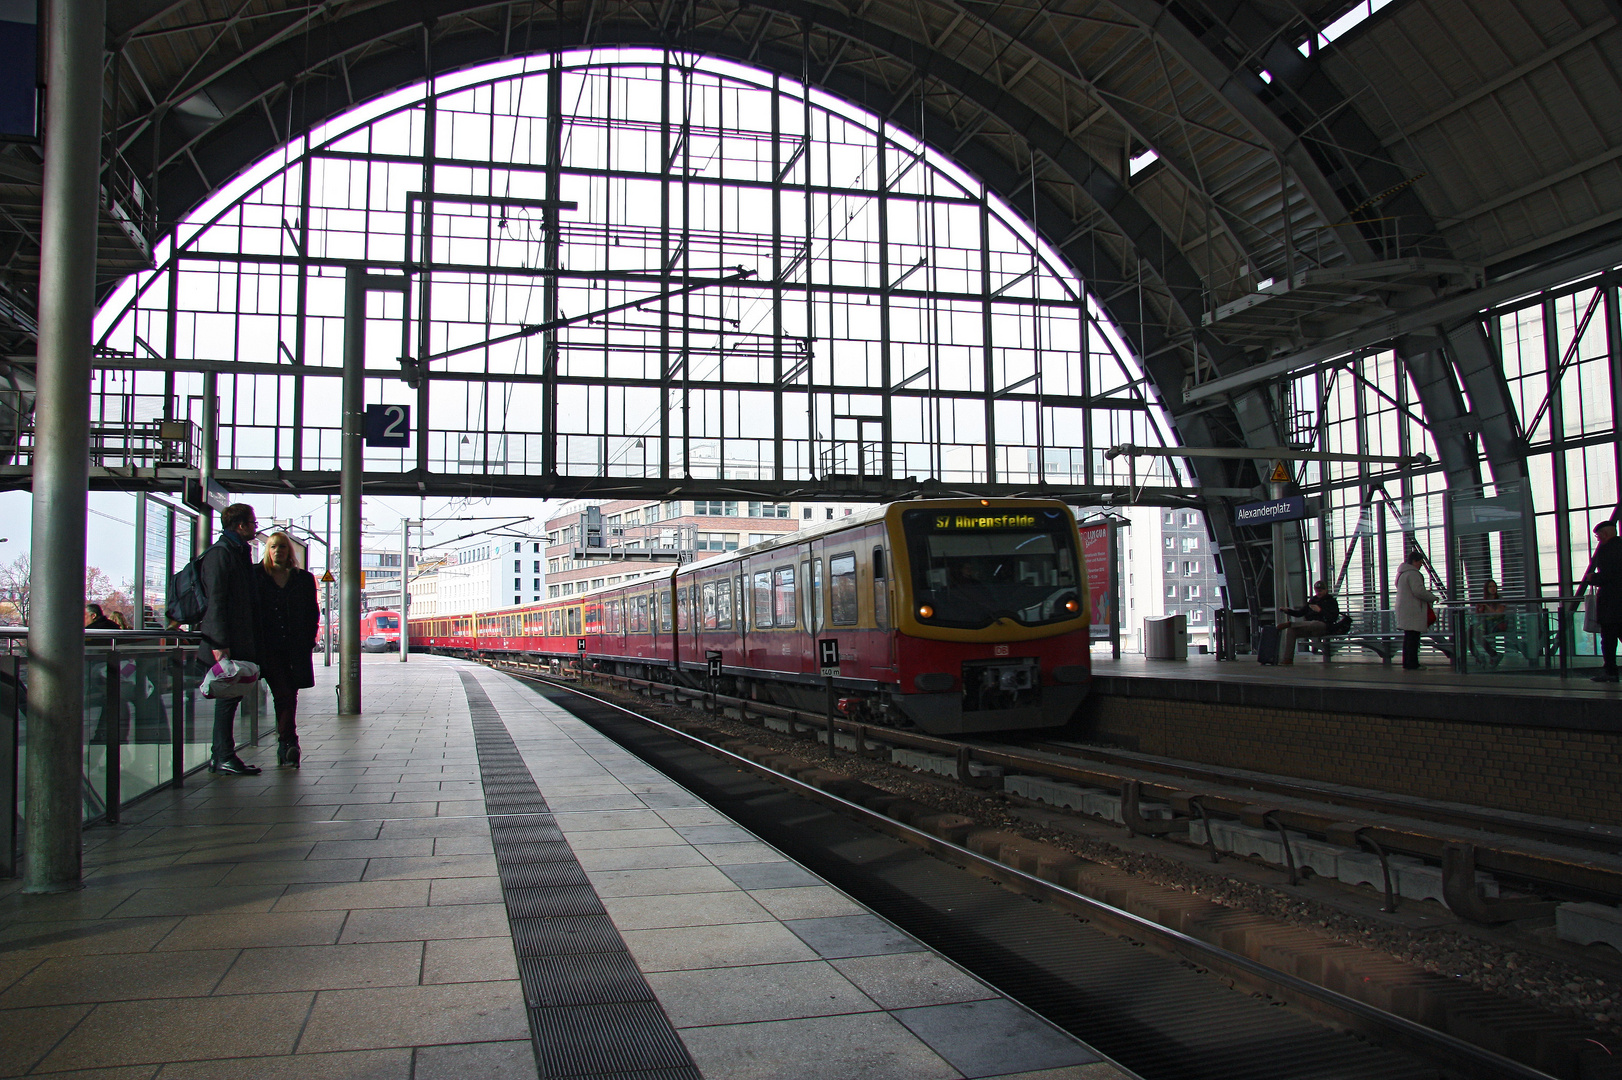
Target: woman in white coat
column 1414, row 602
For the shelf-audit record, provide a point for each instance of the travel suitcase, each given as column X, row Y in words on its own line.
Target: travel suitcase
column 1267, row 646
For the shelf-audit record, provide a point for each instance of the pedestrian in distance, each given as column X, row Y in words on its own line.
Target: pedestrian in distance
column 230, row 624
column 1605, row 575
column 1312, row 619
column 1414, row 611
column 119, row 620
column 288, row 621
column 95, row 619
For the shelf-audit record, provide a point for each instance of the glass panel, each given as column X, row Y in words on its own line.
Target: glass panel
column 842, row 587
column 783, row 597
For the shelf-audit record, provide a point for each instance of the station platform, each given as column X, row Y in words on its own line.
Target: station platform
column 468, row 882
column 1435, row 692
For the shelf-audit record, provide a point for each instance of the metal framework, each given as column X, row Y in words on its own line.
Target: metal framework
column 638, row 272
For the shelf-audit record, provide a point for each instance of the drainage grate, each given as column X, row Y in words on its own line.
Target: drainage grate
column 591, row 1014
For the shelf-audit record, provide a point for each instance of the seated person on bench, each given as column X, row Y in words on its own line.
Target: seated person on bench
column 1314, row 618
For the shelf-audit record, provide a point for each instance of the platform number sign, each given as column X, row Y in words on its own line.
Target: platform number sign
column 580, row 646
column 828, row 656
column 713, row 658
column 388, row 425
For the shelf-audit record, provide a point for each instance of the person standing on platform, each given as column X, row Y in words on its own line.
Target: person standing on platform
column 1414, row 611
column 230, row 624
column 1605, row 575
column 1315, row 617
column 288, row 619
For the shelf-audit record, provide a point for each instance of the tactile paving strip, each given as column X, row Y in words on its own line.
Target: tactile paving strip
column 591, row 1013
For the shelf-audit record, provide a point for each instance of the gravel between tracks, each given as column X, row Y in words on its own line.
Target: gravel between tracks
column 1491, row 965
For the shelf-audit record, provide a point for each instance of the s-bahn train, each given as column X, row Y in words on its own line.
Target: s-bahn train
column 952, row 616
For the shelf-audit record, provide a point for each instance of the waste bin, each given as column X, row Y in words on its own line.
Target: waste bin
column 1165, row 637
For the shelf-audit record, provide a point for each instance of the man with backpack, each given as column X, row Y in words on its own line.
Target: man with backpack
column 228, row 623
column 1314, row 618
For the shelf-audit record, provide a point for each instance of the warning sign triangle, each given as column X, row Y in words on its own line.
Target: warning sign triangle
column 327, row 578
column 1281, row 475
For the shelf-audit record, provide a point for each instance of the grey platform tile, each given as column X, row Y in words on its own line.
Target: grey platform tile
column 908, row 980
column 639, row 858
column 373, row 849
column 29, row 1034
column 690, row 947
column 662, row 800
column 853, row 935
column 740, row 854
column 866, row 1046
column 430, row 866
column 740, row 995
column 717, row 834
column 579, row 803
column 485, row 1061
column 278, row 928
column 385, row 811
column 324, row 967
column 89, row 903
column 478, row 890
column 127, row 1072
column 181, row 1029
column 324, row 830
column 353, row 1065
column 807, row 902
column 436, row 826
column 469, row 960
column 211, row 900
column 83, row 937
column 1098, row 1070
column 416, row 1016
column 288, row 873
column 778, row 875
column 609, row 819
column 121, row 876
column 624, row 838
column 346, row 895
column 692, row 909
column 988, row 1038
column 462, row 845
column 426, row 924
column 685, row 879
column 67, row 980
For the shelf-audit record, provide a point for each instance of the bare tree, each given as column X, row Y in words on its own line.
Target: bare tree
column 14, row 591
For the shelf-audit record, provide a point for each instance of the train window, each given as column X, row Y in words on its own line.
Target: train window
column 723, row 604
column 664, row 610
column 783, row 597
column 707, row 599
column 881, row 591
column 763, row 599
column 842, row 606
column 574, row 620
column 684, row 614
column 817, row 621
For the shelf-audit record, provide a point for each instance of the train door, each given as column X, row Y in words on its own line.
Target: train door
column 882, row 602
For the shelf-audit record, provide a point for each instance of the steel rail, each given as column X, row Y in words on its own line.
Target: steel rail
column 1392, row 1030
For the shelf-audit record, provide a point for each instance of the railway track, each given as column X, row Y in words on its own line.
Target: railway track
column 1161, row 1021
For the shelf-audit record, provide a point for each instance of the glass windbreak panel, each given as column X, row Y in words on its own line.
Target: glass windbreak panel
column 970, row 569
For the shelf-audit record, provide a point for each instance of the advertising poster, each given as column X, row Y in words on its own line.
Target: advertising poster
column 1095, row 548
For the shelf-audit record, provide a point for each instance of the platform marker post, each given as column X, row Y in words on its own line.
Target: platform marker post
column 828, row 661
column 712, row 659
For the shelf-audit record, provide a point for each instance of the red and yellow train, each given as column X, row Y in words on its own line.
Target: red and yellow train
column 952, row 616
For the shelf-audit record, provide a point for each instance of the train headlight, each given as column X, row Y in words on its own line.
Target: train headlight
column 1071, row 606
column 926, row 612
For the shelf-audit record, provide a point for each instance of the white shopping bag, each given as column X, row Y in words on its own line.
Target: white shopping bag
column 230, row 678
column 1591, row 612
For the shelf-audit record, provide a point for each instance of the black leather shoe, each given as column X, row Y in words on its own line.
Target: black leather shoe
column 234, row 766
column 1605, row 677
column 287, row 754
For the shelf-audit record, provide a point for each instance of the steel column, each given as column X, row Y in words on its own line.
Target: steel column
column 349, row 492
column 75, row 30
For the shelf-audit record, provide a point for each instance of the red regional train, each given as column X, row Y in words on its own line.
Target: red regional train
column 952, row 616
column 380, row 630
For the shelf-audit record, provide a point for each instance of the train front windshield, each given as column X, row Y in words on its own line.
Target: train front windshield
column 388, row 622
column 971, row 568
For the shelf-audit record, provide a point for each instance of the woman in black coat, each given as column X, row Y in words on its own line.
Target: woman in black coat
column 288, row 619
